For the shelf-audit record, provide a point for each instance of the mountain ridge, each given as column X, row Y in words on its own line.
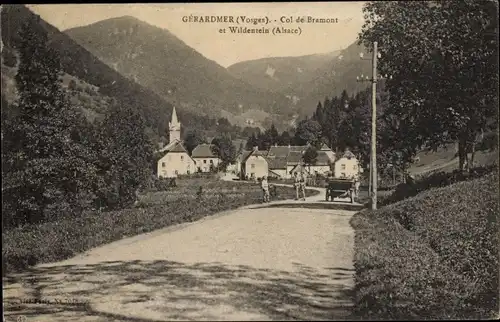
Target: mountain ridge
column 146, row 53
column 79, row 62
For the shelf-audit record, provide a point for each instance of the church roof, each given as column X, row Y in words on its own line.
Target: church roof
column 175, row 146
column 203, row 151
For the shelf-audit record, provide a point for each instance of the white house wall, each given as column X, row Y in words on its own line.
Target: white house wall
column 204, row 163
column 256, row 165
column 173, row 164
column 321, row 169
column 346, row 168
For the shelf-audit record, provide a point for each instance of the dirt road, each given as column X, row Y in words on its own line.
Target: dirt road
column 250, row 264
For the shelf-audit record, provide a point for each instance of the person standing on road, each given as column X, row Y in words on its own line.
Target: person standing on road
column 302, row 186
column 357, row 184
column 265, row 188
column 296, row 185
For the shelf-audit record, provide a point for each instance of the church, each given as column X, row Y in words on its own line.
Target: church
column 175, row 160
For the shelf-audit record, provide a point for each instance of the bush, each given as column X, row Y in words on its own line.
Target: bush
column 433, row 256
column 164, row 184
column 489, row 142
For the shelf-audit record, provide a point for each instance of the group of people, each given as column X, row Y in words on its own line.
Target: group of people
column 299, row 185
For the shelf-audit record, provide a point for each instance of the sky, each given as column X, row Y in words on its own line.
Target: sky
column 227, row 48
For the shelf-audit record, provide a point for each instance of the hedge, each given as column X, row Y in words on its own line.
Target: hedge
column 434, row 256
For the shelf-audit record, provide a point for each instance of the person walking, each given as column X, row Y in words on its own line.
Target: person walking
column 265, row 188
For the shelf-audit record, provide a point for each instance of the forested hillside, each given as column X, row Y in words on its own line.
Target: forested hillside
column 85, row 68
column 163, row 63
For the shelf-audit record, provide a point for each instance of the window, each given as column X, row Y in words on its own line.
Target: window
column 252, row 166
column 343, row 175
column 182, row 158
column 163, row 164
column 211, row 161
column 343, row 167
column 204, row 161
column 355, row 167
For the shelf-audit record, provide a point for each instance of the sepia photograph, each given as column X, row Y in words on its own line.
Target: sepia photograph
column 262, row 161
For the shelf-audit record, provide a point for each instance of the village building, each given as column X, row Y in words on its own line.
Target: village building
column 347, row 166
column 284, row 161
column 175, row 159
column 254, row 164
column 204, row 158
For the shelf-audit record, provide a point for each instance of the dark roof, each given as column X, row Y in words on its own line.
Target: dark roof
column 276, row 163
column 325, row 147
column 294, row 157
column 244, row 155
column 175, row 146
column 279, row 151
column 203, row 151
column 298, row 148
column 247, row 154
column 348, row 154
column 322, row 159
column 178, row 148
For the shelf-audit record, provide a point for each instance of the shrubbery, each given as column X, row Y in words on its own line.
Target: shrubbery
column 433, row 256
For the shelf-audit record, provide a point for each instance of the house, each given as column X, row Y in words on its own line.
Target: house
column 254, row 164
column 321, row 166
column 347, row 166
column 175, row 159
column 286, row 160
column 205, row 158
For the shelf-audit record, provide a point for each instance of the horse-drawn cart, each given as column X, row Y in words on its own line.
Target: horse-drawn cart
column 342, row 188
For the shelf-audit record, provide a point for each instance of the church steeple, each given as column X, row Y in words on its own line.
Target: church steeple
column 174, row 127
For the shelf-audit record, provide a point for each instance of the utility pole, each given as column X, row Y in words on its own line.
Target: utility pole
column 374, row 127
column 373, row 153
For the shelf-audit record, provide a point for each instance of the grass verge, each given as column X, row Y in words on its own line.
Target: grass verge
column 431, row 256
column 53, row 241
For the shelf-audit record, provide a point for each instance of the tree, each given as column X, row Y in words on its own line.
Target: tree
column 223, row 147
column 273, row 134
column 285, row 138
column 251, row 142
column 192, row 139
column 310, row 156
column 440, row 56
column 126, row 155
column 308, row 131
column 47, row 166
